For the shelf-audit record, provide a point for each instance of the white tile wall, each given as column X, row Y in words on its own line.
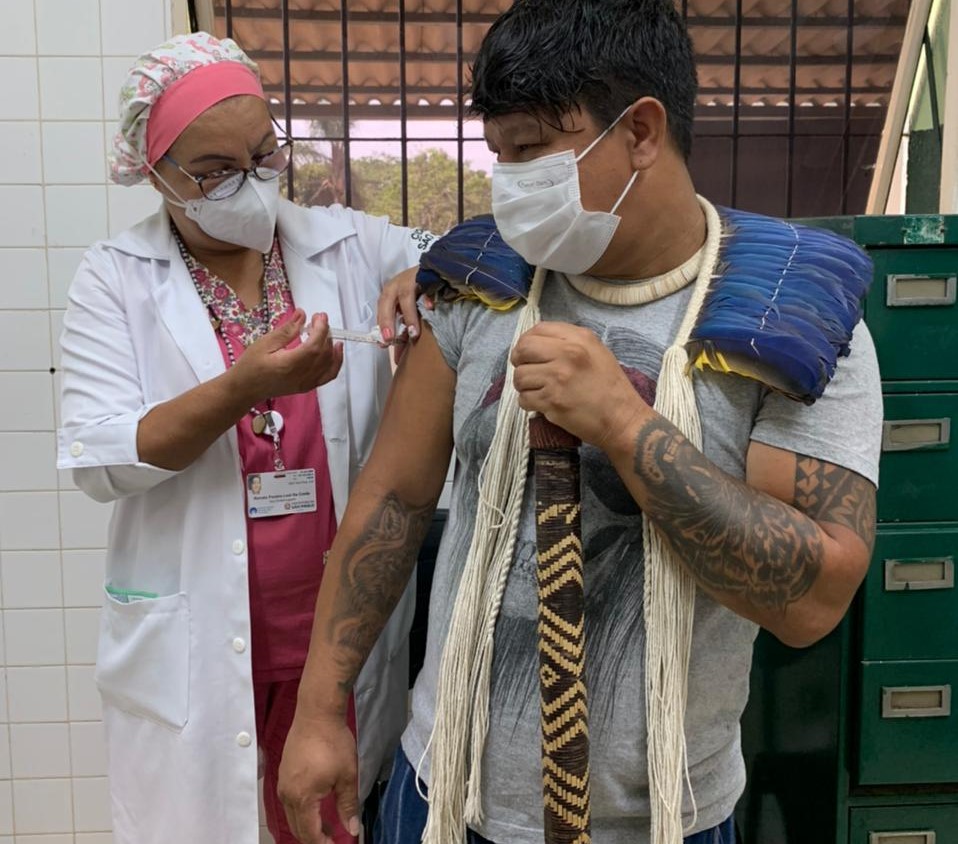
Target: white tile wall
column 23, row 278
column 129, row 28
column 37, row 694
column 42, row 805
column 66, row 838
column 68, row 27
column 21, row 211
column 76, row 214
column 17, row 35
column 19, row 155
column 31, row 579
column 34, row 637
column 71, row 88
column 62, row 264
column 25, row 340
column 4, row 710
column 20, row 101
column 5, row 766
column 126, row 203
column 83, row 699
column 29, row 520
column 28, row 461
column 83, row 573
column 91, row 804
column 31, row 394
column 40, row 750
column 73, row 153
column 6, row 809
column 67, row 58
column 82, row 629
column 88, row 749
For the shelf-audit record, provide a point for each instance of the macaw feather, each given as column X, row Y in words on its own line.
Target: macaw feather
column 783, row 305
column 472, row 261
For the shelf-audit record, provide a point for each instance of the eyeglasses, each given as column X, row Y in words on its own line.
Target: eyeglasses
column 222, row 184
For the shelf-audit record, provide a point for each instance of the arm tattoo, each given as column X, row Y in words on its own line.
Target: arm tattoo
column 374, row 573
column 733, row 538
column 829, row 493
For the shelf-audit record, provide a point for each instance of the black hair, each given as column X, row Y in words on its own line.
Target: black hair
column 547, row 57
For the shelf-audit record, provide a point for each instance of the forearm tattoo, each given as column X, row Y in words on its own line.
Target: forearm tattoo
column 733, row 538
column 374, row 573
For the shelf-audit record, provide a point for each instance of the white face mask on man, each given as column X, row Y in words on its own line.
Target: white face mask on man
column 247, row 218
column 539, row 213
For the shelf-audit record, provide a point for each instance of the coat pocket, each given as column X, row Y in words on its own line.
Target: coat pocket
column 143, row 658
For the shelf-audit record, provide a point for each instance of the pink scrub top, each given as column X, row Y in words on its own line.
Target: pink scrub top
column 285, row 552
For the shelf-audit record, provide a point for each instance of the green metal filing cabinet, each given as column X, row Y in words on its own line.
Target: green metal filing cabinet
column 855, row 740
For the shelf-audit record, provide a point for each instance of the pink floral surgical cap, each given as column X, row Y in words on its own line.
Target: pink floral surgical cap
column 149, row 77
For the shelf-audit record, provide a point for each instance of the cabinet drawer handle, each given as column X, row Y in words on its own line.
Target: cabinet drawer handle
column 913, row 434
column 916, row 701
column 919, row 574
column 926, row 836
column 904, row 290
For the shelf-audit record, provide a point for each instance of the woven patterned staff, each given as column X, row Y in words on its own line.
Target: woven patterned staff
column 565, row 729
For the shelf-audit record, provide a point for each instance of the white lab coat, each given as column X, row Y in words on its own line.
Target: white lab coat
column 174, row 672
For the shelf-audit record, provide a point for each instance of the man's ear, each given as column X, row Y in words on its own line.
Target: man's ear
column 649, row 125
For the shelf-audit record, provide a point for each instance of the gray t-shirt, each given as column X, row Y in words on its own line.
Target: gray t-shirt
column 843, row 427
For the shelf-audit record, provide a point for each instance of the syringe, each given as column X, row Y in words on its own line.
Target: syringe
column 374, row 336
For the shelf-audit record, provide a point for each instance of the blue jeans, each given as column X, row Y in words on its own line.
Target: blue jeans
column 402, row 813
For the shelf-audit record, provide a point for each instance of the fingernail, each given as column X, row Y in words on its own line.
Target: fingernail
column 354, row 826
column 387, row 333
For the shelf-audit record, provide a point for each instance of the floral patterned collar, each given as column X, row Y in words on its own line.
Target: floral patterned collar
column 227, row 311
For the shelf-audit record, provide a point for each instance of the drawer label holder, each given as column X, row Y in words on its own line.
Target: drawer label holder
column 916, row 701
column 925, row 836
column 905, row 290
column 915, row 434
column 919, row 574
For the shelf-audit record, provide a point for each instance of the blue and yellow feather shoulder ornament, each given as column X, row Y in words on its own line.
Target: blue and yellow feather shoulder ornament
column 780, row 308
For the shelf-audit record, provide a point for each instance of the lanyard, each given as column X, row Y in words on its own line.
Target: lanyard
column 269, row 422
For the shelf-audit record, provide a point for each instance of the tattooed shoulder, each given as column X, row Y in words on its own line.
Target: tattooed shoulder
column 829, row 493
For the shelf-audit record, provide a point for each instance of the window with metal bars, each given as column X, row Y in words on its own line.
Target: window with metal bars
column 792, row 99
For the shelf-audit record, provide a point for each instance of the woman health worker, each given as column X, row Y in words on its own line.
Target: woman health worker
column 184, row 374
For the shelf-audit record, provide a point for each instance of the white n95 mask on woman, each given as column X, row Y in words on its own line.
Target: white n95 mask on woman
column 538, row 211
column 247, row 218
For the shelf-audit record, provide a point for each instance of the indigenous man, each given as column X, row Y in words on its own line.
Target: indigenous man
column 588, row 105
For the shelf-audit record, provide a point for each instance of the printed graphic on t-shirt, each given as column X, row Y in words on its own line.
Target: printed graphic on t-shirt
column 612, row 540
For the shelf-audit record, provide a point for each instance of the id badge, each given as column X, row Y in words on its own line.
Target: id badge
column 280, row 493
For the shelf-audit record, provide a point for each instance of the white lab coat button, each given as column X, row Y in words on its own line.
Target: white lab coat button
column 238, row 546
column 76, row 449
column 239, row 645
column 244, row 739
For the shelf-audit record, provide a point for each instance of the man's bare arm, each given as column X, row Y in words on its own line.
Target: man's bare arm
column 787, row 548
column 385, row 522
column 373, row 573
